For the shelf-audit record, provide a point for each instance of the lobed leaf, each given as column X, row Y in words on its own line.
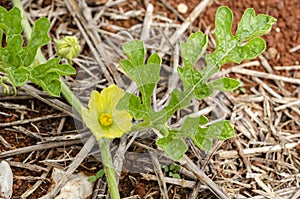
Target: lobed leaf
column 135, row 51
column 192, row 128
column 251, row 26
column 178, row 101
column 9, row 54
column 174, row 147
column 39, row 37
column 203, row 143
column 244, row 46
column 146, row 76
column 192, row 79
column 18, row 61
column 50, row 83
column 194, row 48
column 10, row 22
column 191, row 51
column 18, row 76
column 221, row 130
column 47, row 75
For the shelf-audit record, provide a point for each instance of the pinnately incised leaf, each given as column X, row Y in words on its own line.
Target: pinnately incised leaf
column 19, row 63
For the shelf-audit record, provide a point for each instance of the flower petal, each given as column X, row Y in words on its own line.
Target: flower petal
column 122, row 120
column 92, row 123
column 113, row 133
column 96, row 103
column 111, row 96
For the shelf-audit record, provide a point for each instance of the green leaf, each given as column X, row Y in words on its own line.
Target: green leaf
column 201, row 136
column 194, row 48
column 172, row 146
column 252, row 26
column 39, row 37
column 165, row 168
column 47, row 75
column 50, row 66
column 224, row 84
column 178, row 101
column 18, row 61
column 189, row 127
column 146, row 76
column 191, row 51
column 100, row 173
column 192, row 80
column 203, row 120
column 244, row 46
column 126, row 65
column 174, row 167
column 92, row 179
column 176, row 176
column 135, row 51
column 228, row 49
column 221, row 130
column 10, row 22
column 50, row 83
column 9, row 54
column 133, row 105
column 203, row 143
column 18, row 76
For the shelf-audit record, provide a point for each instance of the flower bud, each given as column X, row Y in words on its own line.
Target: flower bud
column 68, row 47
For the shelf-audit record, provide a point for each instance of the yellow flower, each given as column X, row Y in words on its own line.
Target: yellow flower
column 102, row 118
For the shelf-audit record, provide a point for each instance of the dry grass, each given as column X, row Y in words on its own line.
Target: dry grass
column 261, row 161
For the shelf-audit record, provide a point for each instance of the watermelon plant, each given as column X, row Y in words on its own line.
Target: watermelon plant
column 109, row 114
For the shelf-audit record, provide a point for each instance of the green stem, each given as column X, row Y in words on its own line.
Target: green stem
column 109, row 168
column 74, row 101
column 70, row 97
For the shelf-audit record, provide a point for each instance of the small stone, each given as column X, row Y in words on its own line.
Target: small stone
column 262, row 3
column 272, row 53
column 296, row 75
column 77, row 186
column 6, row 180
column 182, row 8
column 280, row 5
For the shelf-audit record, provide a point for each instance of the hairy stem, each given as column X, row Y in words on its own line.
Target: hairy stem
column 109, row 168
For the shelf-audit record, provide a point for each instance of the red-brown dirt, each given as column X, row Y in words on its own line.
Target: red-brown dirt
column 284, row 36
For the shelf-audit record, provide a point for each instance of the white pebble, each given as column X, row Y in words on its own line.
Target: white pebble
column 77, row 187
column 6, row 180
column 182, row 8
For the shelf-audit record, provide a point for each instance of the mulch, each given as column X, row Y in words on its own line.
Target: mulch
column 39, row 133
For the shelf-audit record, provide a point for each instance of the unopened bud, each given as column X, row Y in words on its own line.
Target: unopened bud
column 68, row 47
